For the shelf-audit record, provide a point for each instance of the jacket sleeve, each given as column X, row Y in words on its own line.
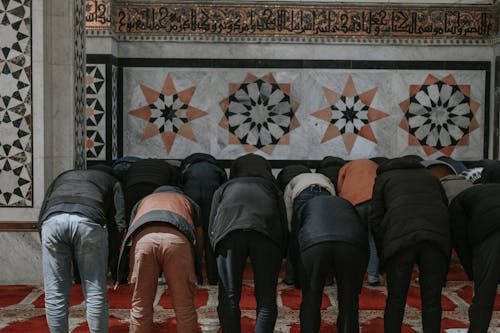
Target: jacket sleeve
column 215, row 206
column 119, row 204
column 377, row 212
column 458, row 225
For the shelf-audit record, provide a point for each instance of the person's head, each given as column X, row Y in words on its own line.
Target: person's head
column 290, row 171
column 438, row 168
column 250, row 165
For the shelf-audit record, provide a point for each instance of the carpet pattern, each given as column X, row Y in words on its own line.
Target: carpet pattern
column 22, row 308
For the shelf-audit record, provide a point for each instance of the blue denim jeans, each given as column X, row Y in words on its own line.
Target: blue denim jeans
column 363, row 210
column 66, row 237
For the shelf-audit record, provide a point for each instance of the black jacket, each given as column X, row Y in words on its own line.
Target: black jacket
column 91, row 193
column 330, row 167
column 154, row 171
column 474, row 215
column 249, row 203
column 251, row 165
column 328, row 218
column 408, row 206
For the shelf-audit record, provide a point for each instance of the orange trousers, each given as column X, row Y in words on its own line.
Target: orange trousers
column 158, row 249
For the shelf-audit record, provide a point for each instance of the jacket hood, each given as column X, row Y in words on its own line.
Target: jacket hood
column 251, row 165
column 329, row 161
column 195, row 158
column 399, row 163
column 168, row 188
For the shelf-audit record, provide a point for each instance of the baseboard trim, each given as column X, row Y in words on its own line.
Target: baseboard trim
column 12, row 226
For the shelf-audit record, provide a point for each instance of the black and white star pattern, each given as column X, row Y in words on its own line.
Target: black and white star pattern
column 168, row 113
column 15, row 104
column 259, row 113
column 349, row 114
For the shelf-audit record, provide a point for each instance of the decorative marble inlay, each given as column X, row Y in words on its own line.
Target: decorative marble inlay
column 96, row 112
column 79, row 99
column 114, row 112
column 350, row 114
column 259, row 113
column 320, row 20
column 439, row 115
column 16, row 152
column 97, row 14
column 168, row 113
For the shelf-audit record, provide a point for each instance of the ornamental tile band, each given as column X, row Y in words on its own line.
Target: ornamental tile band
column 323, row 21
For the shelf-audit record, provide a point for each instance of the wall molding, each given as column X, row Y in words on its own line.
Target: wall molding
column 18, row 226
column 293, row 22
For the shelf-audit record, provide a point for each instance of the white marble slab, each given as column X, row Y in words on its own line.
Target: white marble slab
column 20, row 258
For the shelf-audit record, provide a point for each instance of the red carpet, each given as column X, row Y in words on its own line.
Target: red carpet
column 22, row 308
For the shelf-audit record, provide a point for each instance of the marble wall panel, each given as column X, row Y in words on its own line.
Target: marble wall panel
column 298, row 113
column 16, row 152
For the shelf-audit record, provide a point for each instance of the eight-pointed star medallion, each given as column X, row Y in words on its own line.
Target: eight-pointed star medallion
column 168, row 113
column 349, row 114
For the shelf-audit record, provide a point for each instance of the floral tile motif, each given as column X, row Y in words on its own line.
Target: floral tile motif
column 349, row 114
column 96, row 112
column 168, row 113
column 259, row 113
column 439, row 115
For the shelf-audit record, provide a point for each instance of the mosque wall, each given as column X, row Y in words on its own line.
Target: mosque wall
column 288, row 80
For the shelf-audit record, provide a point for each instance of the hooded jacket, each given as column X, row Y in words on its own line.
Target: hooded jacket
column 94, row 194
column 249, row 203
column 166, row 205
column 408, row 206
column 474, row 215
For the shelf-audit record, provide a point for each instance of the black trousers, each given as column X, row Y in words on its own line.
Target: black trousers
column 433, row 266
column 486, row 270
column 265, row 255
column 349, row 266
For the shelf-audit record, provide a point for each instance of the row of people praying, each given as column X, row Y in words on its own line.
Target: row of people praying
column 375, row 216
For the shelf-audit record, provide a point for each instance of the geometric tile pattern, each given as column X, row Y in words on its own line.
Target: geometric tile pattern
column 114, row 112
column 96, row 112
column 259, row 113
column 168, row 113
column 349, row 114
column 79, row 84
column 16, row 152
column 439, row 115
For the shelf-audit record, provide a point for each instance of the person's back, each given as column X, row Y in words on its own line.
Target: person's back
column 164, row 238
column 475, row 230
column 409, row 219
column 331, row 235
column 201, row 177
column 144, row 176
column 248, row 221
column 78, row 209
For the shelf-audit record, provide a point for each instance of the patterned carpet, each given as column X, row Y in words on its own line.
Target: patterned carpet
column 22, row 308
